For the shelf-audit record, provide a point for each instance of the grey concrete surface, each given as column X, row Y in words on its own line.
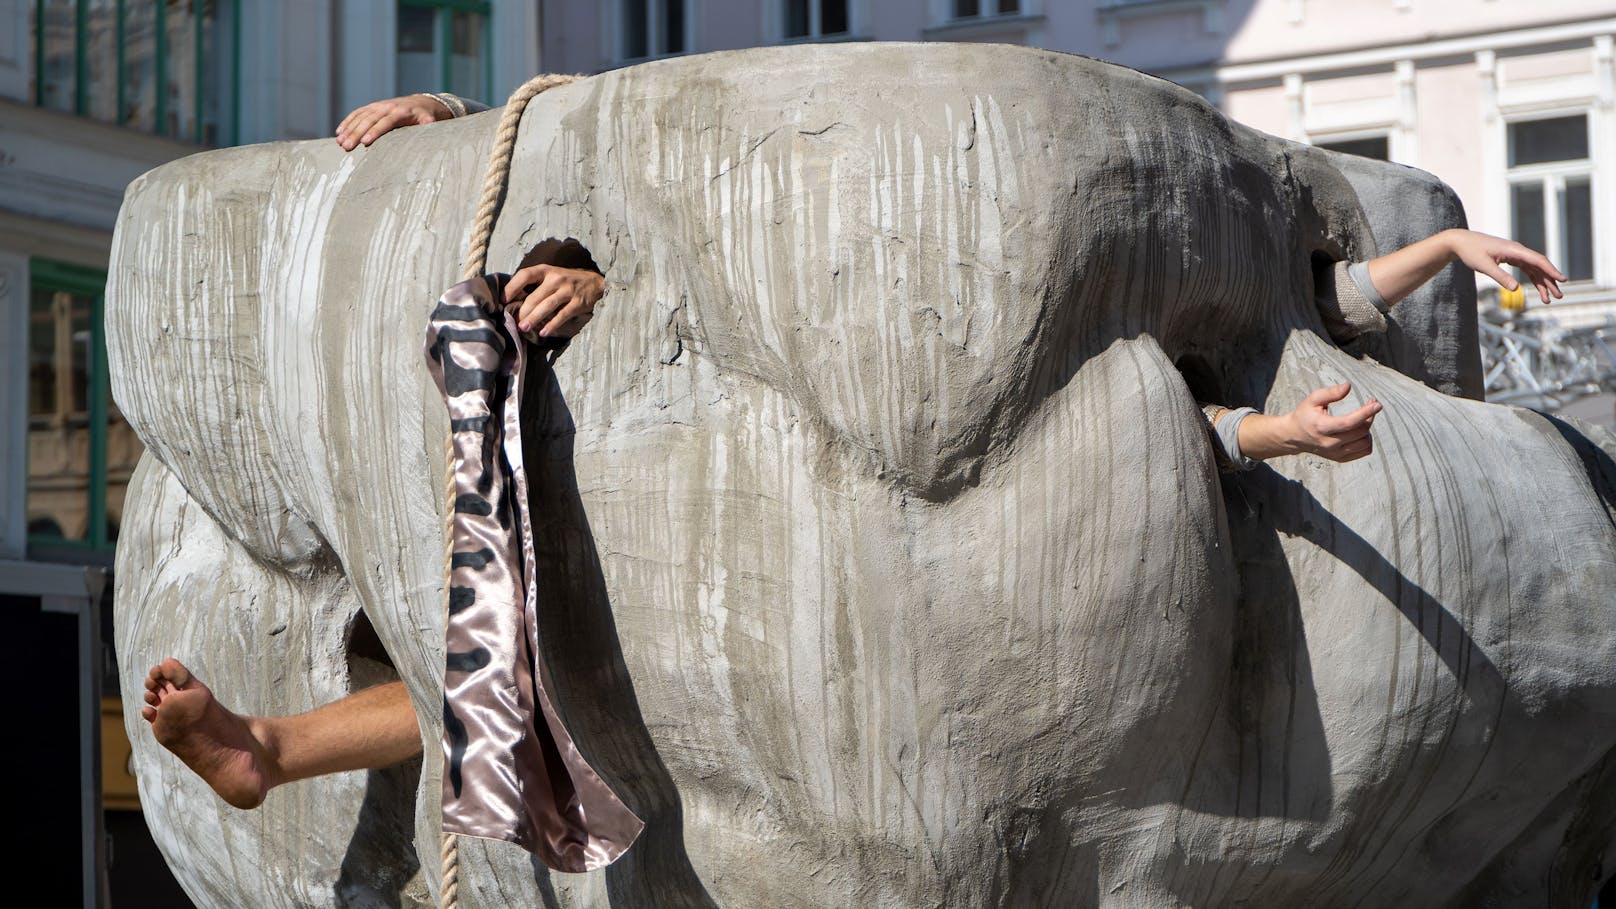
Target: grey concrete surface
column 885, row 563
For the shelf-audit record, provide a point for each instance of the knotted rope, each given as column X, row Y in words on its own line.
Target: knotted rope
column 499, row 172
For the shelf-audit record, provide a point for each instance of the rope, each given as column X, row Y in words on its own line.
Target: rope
column 499, row 171
column 449, row 895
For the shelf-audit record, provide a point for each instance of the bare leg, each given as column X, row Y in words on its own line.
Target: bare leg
column 243, row 757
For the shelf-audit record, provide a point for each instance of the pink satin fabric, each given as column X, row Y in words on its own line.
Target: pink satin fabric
column 511, row 770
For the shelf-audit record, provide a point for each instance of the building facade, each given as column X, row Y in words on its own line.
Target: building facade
column 92, row 94
column 1513, row 105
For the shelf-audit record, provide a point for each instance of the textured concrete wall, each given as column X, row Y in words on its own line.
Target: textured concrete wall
column 884, row 558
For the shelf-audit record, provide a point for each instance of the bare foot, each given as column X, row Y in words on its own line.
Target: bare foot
column 225, row 749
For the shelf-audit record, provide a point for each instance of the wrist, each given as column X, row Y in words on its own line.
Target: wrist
column 1449, row 242
column 1285, row 434
column 442, row 106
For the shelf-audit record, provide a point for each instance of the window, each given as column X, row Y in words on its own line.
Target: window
column 162, row 66
column 651, row 28
column 81, row 452
column 1376, row 147
column 443, row 46
column 977, row 9
column 815, row 18
column 1551, row 191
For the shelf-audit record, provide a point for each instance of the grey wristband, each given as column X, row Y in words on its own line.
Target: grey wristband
column 1359, row 273
column 1228, row 432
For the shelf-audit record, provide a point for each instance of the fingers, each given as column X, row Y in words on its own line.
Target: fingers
column 353, row 127
column 1342, row 449
column 1352, row 425
column 560, row 300
column 526, row 282
column 369, row 123
column 1329, row 394
column 1503, row 278
column 1530, row 259
column 1543, row 279
column 391, row 121
column 348, row 122
column 1338, row 438
column 539, row 306
column 1537, row 268
column 149, row 714
column 570, row 320
column 372, row 128
column 1352, row 451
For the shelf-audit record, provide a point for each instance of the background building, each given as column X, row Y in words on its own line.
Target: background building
column 1512, row 104
column 92, row 94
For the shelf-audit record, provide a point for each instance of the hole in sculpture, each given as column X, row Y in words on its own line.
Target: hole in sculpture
column 368, row 661
column 568, row 253
column 1201, row 378
column 380, row 863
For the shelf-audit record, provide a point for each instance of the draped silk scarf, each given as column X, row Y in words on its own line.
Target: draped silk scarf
column 511, row 770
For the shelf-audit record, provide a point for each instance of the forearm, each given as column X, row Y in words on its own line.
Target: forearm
column 1263, row 437
column 1396, row 275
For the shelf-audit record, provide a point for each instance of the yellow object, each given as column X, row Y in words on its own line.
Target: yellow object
column 1512, row 300
column 118, row 790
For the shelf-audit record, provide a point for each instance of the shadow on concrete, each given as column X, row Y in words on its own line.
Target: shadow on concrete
column 593, row 691
column 1290, row 508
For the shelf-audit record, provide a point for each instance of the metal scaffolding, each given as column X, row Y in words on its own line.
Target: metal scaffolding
column 1538, row 364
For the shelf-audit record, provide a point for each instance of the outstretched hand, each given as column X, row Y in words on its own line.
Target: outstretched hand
column 371, row 122
column 1339, row 438
column 1487, row 254
column 1311, row 428
column 556, row 301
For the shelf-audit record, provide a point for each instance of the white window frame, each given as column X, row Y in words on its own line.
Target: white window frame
column 1394, row 115
column 1594, row 98
column 1111, row 13
column 774, row 18
column 942, row 12
column 615, row 34
column 1356, row 135
column 1553, row 176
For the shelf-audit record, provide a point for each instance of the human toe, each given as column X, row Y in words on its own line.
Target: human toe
column 176, row 672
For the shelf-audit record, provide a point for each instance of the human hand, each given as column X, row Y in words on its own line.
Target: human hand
column 1311, row 428
column 371, row 122
column 557, row 301
column 1487, row 254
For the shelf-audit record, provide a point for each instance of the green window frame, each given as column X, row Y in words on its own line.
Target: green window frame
column 81, row 65
column 444, row 26
column 60, row 277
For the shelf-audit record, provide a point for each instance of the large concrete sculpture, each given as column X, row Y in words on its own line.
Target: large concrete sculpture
column 885, row 559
